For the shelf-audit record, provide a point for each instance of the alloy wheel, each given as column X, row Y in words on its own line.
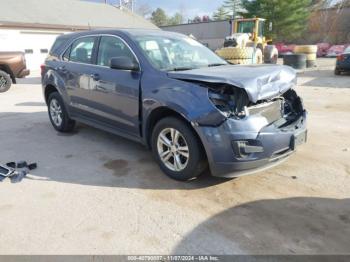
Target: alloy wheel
column 56, row 112
column 173, row 149
column 3, row 82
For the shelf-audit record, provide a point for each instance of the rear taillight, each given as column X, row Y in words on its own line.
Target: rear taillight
column 42, row 69
column 341, row 58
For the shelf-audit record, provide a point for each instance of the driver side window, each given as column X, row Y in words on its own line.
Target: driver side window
column 112, row 47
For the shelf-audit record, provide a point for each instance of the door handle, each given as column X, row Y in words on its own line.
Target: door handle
column 95, row 77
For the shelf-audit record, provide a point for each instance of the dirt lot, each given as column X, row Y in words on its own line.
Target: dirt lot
column 95, row 193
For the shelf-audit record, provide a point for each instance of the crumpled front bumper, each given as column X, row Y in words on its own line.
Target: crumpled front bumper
column 241, row 147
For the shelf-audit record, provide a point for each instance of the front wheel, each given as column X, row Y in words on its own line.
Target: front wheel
column 177, row 149
column 5, row 81
column 58, row 114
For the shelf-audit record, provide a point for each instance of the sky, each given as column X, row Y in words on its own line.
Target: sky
column 192, row 8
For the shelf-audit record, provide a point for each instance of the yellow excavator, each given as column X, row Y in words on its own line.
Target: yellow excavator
column 247, row 43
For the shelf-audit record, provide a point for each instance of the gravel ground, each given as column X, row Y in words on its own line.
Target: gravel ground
column 96, row 193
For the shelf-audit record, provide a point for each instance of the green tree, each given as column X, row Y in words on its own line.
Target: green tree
column 233, row 7
column 159, row 17
column 288, row 18
column 176, row 19
column 220, row 14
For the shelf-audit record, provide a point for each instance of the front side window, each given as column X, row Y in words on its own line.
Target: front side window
column 176, row 52
column 261, row 28
column 82, row 49
column 112, row 47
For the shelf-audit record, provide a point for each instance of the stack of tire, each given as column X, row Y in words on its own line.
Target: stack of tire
column 310, row 51
column 237, row 55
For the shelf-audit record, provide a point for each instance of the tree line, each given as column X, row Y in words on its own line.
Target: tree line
column 286, row 19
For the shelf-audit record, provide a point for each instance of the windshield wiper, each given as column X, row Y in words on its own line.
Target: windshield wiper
column 181, row 68
column 216, row 64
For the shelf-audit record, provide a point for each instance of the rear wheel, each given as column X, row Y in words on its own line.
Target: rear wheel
column 337, row 72
column 5, row 81
column 58, row 114
column 177, row 149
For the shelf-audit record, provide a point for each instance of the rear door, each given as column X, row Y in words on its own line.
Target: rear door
column 116, row 92
column 77, row 69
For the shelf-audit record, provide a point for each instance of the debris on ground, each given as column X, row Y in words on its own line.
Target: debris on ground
column 16, row 171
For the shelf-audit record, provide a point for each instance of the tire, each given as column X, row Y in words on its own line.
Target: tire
column 5, row 81
column 337, row 72
column 305, row 49
column 56, row 107
column 270, row 54
column 311, row 57
column 230, row 53
column 297, row 61
column 311, row 63
column 240, row 61
column 189, row 167
column 258, row 56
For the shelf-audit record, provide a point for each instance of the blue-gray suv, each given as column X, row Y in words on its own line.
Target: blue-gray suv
column 172, row 94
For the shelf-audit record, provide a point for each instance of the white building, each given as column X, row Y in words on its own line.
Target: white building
column 31, row 26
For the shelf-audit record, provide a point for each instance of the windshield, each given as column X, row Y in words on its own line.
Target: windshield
column 246, row 27
column 176, row 53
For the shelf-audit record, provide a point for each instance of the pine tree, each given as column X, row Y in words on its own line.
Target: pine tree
column 220, row 14
column 233, row 7
column 288, row 17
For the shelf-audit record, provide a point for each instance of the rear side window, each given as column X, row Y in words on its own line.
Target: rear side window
column 82, row 49
column 66, row 54
column 60, row 41
column 112, row 47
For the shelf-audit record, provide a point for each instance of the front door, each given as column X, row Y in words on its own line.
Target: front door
column 116, row 92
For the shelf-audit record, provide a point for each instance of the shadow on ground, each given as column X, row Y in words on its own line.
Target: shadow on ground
column 284, row 226
column 86, row 156
column 29, row 81
column 31, row 104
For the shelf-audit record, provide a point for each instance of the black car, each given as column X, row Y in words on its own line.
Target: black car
column 343, row 62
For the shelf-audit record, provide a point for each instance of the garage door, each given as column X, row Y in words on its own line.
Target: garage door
column 36, row 47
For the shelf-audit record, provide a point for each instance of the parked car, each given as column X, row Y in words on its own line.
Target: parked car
column 343, row 62
column 335, row 50
column 322, row 49
column 172, row 94
column 12, row 66
column 284, row 49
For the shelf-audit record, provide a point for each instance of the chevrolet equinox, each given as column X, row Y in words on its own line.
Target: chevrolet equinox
column 178, row 98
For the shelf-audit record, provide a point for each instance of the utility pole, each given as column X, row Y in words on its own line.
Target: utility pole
column 129, row 4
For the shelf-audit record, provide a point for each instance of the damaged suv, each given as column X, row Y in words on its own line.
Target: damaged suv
column 169, row 92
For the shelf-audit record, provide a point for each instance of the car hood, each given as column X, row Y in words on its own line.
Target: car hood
column 259, row 81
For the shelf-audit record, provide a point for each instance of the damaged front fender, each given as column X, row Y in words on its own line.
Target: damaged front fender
column 188, row 99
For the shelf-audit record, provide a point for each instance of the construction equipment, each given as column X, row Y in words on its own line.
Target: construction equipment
column 248, row 37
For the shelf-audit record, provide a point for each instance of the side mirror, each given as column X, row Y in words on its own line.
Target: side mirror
column 124, row 63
